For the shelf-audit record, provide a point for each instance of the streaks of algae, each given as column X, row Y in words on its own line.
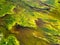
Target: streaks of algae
column 32, row 22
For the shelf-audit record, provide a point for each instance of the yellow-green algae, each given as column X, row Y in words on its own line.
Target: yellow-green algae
column 30, row 22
